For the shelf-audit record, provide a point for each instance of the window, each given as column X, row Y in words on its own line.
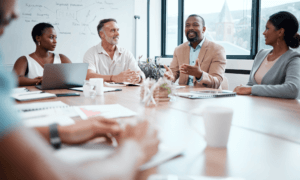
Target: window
column 228, row 23
column 171, row 26
column 269, row 7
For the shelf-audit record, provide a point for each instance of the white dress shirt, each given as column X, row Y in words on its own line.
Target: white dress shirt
column 100, row 62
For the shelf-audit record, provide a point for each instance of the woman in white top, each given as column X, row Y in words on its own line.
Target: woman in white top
column 30, row 68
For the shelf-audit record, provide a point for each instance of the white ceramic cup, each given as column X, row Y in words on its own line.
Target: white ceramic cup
column 98, row 83
column 217, row 123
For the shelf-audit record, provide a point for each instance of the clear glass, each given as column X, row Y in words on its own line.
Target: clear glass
column 228, row 23
column 269, row 7
column 171, row 26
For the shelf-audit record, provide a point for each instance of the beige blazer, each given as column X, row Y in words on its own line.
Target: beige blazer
column 212, row 60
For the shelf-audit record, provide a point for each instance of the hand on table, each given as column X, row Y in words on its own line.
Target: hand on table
column 191, row 70
column 127, row 76
column 86, row 130
column 242, row 90
column 146, row 139
column 169, row 74
column 38, row 79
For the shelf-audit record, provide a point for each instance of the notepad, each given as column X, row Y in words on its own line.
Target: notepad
column 33, row 95
column 120, row 84
column 46, row 121
column 206, row 94
column 40, row 106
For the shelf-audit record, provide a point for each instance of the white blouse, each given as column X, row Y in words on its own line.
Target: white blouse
column 35, row 69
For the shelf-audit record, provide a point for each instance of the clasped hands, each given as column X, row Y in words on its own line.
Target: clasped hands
column 128, row 76
column 185, row 69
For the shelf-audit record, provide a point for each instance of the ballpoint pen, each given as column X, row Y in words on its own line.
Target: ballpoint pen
column 29, row 93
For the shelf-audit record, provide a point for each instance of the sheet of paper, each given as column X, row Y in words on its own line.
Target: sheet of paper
column 19, row 90
column 90, row 152
column 175, row 177
column 64, row 111
column 84, row 153
column 32, row 96
column 106, row 89
column 164, row 154
column 114, row 85
column 179, row 87
column 46, row 121
column 40, row 106
column 108, row 111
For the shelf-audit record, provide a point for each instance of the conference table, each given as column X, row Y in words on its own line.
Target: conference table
column 264, row 140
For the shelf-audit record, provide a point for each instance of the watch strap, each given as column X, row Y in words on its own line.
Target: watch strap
column 54, row 136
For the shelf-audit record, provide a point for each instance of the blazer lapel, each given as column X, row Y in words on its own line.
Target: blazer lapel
column 203, row 51
column 261, row 59
column 185, row 59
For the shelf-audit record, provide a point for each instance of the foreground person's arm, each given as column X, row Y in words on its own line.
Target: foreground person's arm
column 24, row 155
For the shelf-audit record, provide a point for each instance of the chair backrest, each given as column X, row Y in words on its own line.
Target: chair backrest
column 224, row 84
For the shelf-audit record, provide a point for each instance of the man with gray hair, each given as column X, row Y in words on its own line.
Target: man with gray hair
column 109, row 61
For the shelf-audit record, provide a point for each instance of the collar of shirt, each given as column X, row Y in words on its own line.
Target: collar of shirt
column 101, row 50
column 199, row 45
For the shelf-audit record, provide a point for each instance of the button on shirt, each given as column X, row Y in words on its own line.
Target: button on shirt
column 194, row 53
column 100, row 62
column 9, row 118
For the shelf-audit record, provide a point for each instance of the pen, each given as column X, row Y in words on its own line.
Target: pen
column 29, row 93
column 113, row 139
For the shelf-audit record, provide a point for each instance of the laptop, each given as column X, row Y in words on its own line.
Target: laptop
column 63, row 76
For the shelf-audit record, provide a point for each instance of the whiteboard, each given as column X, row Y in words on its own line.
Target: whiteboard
column 75, row 22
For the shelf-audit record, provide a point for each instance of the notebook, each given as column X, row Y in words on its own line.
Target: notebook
column 40, row 106
column 46, row 121
column 206, row 94
column 33, row 95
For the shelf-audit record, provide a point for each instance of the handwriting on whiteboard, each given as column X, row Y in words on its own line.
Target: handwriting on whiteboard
column 79, row 14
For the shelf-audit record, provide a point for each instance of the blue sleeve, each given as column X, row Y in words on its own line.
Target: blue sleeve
column 9, row 117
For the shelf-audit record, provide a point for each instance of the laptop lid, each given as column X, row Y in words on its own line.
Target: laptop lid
column 64, row 76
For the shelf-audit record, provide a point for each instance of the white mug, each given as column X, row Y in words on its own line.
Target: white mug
column 217, row 123
column 98, row 83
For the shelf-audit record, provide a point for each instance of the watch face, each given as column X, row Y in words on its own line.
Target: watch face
column 54, row 136
column 55, row 142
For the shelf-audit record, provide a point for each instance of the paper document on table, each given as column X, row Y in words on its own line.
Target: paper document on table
column 66, row 111
column 164, row 154
column 33, row 95
column 46, row 121
column 175, row 177
column 40, row 106
column 105, row 89
column 120, row 84
column 19, row 90
column 107, row 111
column 91, row 152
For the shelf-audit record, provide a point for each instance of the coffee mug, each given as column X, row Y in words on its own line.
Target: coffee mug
column 217, row 123
column 98, row 83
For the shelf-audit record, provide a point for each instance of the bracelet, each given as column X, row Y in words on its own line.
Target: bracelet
column 111, row 78
column 141, row 79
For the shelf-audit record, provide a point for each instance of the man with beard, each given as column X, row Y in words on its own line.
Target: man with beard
column 109, row 61
column 199, row 62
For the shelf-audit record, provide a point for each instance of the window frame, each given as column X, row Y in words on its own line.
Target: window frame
column 255, row 14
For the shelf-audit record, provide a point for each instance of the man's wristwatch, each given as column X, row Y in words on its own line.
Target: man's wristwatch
column 54, row 136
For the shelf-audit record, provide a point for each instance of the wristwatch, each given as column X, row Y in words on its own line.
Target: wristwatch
column 54, row 136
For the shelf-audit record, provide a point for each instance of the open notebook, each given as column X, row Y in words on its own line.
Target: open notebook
column 206, row 94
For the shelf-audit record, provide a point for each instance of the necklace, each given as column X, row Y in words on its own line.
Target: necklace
column 39, row 60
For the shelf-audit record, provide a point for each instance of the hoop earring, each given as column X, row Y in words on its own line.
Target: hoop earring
column 39, row 43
